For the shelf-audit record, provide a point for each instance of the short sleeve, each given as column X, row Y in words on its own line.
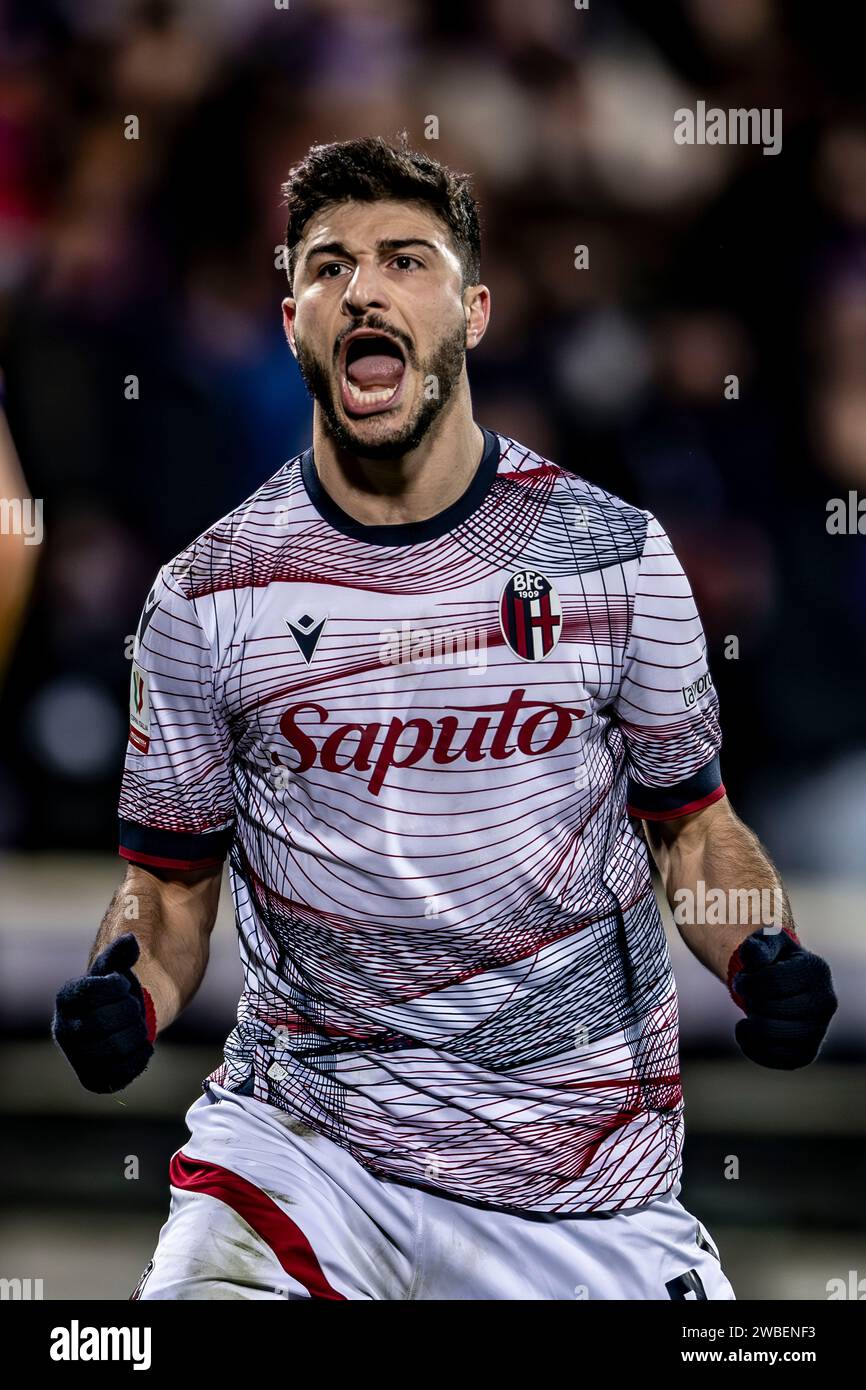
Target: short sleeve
column 176, row 807
column 667, row 707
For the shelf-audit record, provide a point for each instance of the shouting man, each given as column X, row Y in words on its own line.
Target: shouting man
column 421, row 689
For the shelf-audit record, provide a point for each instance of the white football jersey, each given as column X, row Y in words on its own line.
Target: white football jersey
column 420, row 746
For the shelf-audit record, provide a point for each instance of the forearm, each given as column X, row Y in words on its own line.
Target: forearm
column 720, row 883
column 171, row 920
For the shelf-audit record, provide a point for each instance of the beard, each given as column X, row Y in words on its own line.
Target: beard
column 444, row 365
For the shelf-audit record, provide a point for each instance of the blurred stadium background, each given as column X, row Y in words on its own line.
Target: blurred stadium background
column 154, row 257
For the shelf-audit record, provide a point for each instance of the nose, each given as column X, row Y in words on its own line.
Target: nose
column 365, row 291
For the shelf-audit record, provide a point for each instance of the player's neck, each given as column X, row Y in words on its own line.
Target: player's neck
column 419, row 485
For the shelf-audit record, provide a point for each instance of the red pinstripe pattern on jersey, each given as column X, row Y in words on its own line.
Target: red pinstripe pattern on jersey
column 453, row 959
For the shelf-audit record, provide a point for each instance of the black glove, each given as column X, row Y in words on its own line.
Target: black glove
column 787, row 995
column 105, row 1021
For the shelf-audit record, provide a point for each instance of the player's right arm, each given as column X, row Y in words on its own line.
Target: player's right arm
column 141, row 974
column 176, row 825
column 173, row 912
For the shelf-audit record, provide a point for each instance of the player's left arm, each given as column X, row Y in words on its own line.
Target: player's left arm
column 714, row 867
column 667, row 711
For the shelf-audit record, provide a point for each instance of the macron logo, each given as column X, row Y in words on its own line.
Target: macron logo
column 77, row 1343
column 306, row 632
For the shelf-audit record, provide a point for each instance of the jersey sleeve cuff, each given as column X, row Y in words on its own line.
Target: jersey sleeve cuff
column 172, row 849
column 682, row 799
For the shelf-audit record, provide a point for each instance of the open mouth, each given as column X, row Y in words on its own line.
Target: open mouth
column 372, row 373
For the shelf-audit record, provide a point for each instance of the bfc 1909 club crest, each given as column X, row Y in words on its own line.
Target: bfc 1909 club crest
column 530, row 615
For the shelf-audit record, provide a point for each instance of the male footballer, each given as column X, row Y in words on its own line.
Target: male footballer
column 422, row 690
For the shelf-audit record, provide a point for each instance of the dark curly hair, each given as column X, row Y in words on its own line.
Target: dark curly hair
column 368, row 169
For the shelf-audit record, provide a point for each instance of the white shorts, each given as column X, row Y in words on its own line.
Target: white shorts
column 261, row 1207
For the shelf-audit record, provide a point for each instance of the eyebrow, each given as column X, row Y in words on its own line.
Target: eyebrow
column 399, row 244
column 336, row 248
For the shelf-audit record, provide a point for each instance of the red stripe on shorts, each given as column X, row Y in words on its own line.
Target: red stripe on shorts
column 287, row 1240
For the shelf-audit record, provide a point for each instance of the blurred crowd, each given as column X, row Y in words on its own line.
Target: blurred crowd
column 708, row 362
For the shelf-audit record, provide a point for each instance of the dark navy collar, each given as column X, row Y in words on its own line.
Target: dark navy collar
column 406, row 532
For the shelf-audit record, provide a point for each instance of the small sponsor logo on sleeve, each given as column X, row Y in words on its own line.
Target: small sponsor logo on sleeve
column 692, row 693
column 139, row 710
